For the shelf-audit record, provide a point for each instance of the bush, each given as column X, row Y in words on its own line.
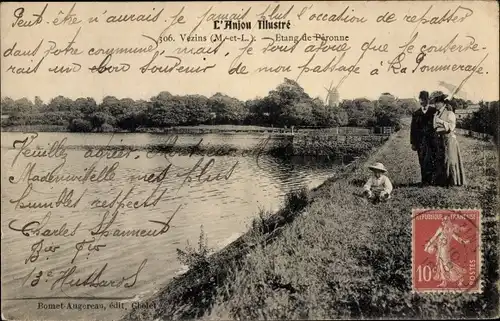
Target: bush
column 485, row 120
column 196, row 259
column 296, row 201
column 107, row 128
column 80, row 125
column 131, row 121
column 100, row 118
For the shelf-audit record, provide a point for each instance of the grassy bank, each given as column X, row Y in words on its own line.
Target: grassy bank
column 344, row 258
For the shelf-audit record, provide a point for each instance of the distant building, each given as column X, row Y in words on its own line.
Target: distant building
column 464, row 113
column 5, row 116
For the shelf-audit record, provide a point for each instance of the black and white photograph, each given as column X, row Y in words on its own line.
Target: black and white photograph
column 249, row 160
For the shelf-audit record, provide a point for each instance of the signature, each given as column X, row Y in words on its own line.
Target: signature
column 96, row 279
column 37, row 228
column 103, row 228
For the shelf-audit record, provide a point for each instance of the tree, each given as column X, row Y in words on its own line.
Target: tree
column 285, row 104
column 135, row 116
column 140, row 105
column 98, row 119
column 39, row 105
column 323, row 113
column 328, row 115
column 85, row 105
column 60, row 103
column 388, row 112
column 111, row 105
column 196, row 107
column 388, row 115
column 255, row 112
column 459, row 103
column 340, row 117
column 360, row 112
column 300, row 113
column 485, row 120
column 8, row 105
column 228, row 110
column 166, row 110
column 17, row 107
column 126, row 104
column 408, row 105
column 132, row 120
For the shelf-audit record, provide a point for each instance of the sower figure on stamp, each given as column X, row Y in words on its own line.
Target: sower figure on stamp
column 440, row 245
column 422, row 137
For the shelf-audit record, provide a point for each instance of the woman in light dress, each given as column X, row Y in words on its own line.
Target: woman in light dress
column 449, row 167
column 440, row 244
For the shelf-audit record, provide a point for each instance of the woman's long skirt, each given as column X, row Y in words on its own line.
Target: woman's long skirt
column 455, row 173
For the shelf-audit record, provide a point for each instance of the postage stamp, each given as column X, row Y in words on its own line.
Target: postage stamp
column 446, row 250
column 174, row 160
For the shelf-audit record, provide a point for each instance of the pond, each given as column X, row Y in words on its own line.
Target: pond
column 224, row 207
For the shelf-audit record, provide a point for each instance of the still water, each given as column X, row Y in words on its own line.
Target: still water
column 225, row 209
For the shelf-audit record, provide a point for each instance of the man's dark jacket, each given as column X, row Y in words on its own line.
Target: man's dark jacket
column 421, row 126
column 422, row 137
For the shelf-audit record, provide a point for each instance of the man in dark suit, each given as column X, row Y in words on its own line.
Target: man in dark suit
column 422, row 137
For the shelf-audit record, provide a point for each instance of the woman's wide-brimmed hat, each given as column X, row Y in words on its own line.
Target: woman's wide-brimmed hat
column 438, row 96
column 378, row 167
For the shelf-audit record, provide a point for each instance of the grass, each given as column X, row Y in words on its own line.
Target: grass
column 328, row 254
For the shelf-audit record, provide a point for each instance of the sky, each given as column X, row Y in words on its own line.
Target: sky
column 480, row 28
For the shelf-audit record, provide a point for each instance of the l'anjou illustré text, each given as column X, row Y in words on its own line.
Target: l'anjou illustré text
column 247, row 25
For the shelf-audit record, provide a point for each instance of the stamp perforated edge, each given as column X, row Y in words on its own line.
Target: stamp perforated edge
column 479, row 290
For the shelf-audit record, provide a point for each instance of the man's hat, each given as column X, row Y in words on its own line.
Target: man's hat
column 423, row 95
column 378, row 167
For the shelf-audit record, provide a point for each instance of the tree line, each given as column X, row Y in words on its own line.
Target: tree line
column 286, row 105
column 485, row 120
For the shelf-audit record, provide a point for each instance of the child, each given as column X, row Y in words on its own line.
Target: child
column 378, row 187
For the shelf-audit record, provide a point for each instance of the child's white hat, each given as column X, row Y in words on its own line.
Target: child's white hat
column 378, row 167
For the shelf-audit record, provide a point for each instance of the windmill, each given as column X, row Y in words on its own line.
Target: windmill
column 332, row 97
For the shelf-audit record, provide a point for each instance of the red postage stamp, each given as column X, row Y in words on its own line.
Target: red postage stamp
column 446, row 250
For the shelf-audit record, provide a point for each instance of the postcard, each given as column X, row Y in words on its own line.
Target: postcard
column 255, row 160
